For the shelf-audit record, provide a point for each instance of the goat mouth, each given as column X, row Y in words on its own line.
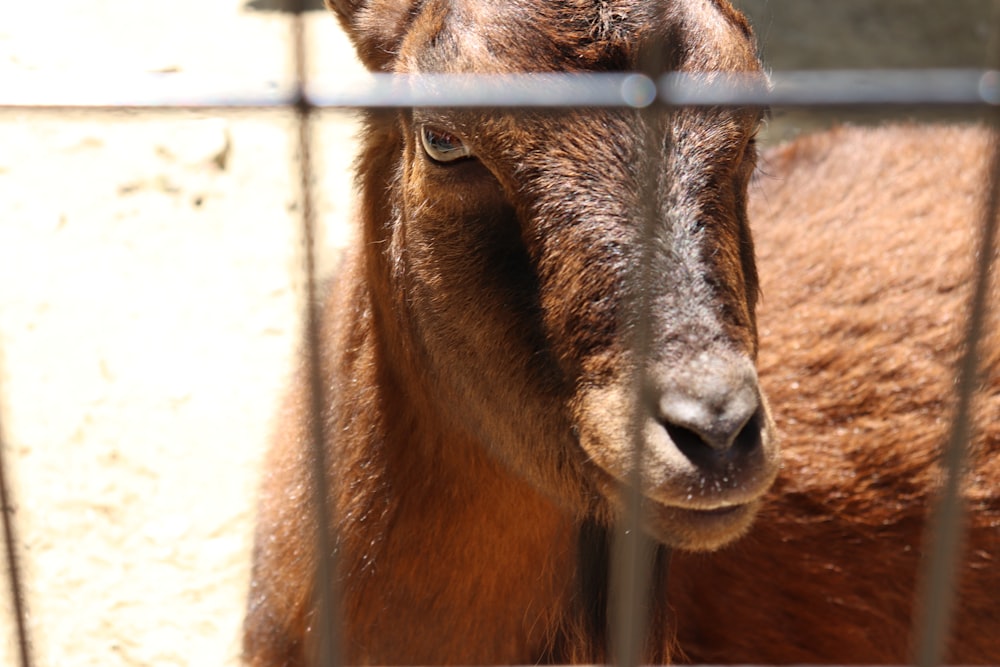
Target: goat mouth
column 699, row 524
column 714, row 512
column 698, row 529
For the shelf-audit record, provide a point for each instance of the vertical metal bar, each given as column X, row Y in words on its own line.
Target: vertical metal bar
column 326, row 626
column 632, row 555
column 946, row 528
column 634, row 551
column 632, row 558
column 945, row 531
column 13, row 571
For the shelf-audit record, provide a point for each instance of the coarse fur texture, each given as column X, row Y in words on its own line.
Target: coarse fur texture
column 478, row 345
column 865, row 243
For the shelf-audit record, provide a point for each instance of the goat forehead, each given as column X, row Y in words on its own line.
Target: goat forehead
column 575, row 35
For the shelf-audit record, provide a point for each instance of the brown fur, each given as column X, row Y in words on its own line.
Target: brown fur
column 478, row 346
column 865, row 241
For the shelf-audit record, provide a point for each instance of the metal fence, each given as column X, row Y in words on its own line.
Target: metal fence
column 970, row 89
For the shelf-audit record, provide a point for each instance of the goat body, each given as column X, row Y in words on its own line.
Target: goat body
column 866, row 240
column 482, row 343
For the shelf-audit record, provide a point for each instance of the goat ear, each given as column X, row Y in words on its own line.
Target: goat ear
column 376, row 27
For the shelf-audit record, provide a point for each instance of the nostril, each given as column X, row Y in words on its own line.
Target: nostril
column 690, row 444
column 749, row 437
column 704, row 452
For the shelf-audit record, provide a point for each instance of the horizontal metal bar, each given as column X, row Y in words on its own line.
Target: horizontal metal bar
column 839, row 88
column 152, row 90
column 497, row 90
column 827, row 88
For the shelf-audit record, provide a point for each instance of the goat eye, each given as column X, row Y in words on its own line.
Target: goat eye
column 441, row 146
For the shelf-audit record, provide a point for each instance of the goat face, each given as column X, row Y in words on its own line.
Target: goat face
column 521, row 279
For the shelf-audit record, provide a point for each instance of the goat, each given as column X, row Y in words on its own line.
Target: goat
column 865, row 243
column 478, row 343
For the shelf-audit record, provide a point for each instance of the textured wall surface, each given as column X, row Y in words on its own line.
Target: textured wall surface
column 818, row 34
column 149, row 299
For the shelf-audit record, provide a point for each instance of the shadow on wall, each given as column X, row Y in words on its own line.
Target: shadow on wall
column 820, row 34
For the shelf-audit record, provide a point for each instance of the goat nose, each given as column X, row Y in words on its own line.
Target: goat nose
column 713, row 416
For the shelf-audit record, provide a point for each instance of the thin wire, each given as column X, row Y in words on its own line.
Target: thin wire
column 326, row 627
column 946, row 530
column 10, row 539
